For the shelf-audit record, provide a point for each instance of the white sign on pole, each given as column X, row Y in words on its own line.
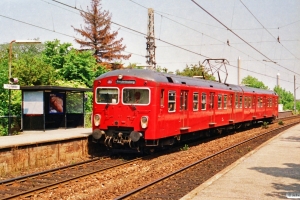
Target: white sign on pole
column 11, row 87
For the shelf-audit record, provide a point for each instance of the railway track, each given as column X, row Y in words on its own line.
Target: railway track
column 177, row 184
column 30, row 185
column 33, row 184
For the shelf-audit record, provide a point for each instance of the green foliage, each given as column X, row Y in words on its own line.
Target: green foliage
column 79, row 66
column 195, row 70
column 32, row 70
column 280, row 122
column 185, row 148
column 254, row 82
column 265, row 125
column 55, row 53
column 285, row 97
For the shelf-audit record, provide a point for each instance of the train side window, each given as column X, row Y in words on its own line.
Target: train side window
column 236, row 101
column 249, row 102
column 241, row 102
column 162, row 97
column 195, row 101
column 225, row 102
column 211, row 100
column 171, row 101
column 230, row 101
column 245, row 102
column 203, row 101
column 183, row 100
column 219, row 101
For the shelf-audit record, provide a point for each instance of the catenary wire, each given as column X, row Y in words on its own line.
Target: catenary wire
column 242, row 38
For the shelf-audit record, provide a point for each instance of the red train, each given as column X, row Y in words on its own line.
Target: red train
column 143, row 108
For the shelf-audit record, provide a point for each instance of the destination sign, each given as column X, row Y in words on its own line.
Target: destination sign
column 125, row 81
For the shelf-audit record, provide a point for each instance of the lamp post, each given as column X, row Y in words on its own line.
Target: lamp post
column 9, row 74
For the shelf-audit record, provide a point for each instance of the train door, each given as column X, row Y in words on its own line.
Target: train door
column 265, row 105
column 254, row 106
column 231, row 108
column 184, row 109
column 211, row 107
column 161, row 115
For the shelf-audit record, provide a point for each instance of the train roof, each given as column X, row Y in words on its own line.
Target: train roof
column 171, row 78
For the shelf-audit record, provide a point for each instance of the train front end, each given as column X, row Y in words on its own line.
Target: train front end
column 121, row 110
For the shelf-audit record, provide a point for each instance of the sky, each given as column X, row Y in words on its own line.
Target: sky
column 187, row 32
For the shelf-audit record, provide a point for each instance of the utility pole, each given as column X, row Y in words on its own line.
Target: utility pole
column 295, row 93
column 151, row 40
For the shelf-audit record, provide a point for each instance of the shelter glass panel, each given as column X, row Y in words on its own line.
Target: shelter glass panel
column 74, row 102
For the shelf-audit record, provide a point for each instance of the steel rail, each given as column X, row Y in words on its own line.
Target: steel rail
column 132, row 192
column 54, row 183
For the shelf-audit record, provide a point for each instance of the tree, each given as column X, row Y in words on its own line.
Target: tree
column 286, row 98
column 97, row 35
column 254, row 82
column 72, row 64
column 55, row 52
column 195, row 70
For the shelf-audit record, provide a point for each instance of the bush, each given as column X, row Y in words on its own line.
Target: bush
column 265, row 125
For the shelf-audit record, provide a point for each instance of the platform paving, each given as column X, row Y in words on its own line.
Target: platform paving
column 36, row 137
column 271, row 171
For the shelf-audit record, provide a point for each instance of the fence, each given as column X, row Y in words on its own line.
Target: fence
column 16, row 124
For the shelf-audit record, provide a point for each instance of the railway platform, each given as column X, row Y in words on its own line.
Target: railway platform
column 272, row 171
column 36, row 137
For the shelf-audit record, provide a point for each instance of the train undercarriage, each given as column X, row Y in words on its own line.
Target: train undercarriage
column 126, row 138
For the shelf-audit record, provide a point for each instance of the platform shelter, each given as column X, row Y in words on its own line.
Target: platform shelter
column 53, row 107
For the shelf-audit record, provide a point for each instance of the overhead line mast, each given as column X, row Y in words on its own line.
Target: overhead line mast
column 150, row 40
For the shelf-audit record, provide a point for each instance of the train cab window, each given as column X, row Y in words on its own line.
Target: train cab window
column 225, row 102
column 203, row 101
column 195, row 101
column 172, row 101
column 137, row 96
column 219, row 101
column 107, row 95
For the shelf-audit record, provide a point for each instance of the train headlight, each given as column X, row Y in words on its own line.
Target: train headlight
column 144, row 121
column 97, row 119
